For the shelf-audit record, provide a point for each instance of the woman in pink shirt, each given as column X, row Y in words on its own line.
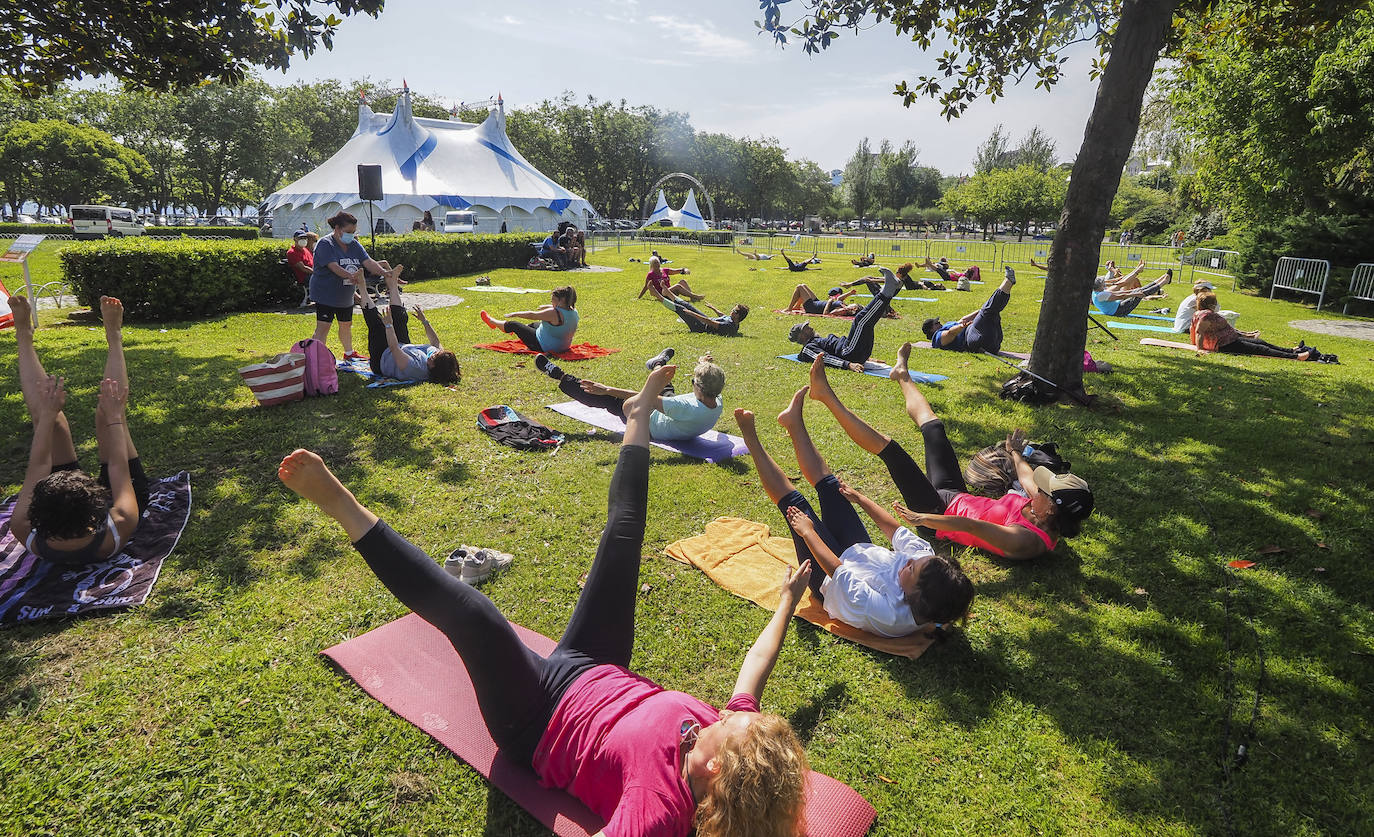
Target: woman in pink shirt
column 658, row 279
column 1012, row 526
column 647, row 760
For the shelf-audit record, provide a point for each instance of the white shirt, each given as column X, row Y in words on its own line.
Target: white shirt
column 864, row 591
column 1184, row 318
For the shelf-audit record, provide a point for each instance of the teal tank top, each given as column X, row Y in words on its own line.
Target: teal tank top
column 558, row 338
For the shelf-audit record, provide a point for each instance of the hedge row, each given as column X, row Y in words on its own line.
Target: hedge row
column 681, row 234
column 161, row 279
column 40, row 229
column 219, row 232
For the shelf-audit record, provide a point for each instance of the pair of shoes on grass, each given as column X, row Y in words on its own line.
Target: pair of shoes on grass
column 472, row 565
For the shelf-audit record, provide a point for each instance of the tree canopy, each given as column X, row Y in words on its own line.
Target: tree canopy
column 161, row 44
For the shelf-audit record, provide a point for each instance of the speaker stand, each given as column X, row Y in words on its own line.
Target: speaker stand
column 372, row 225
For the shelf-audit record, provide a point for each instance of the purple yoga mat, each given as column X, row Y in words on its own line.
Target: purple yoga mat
column 711, row 446
column 412, row 669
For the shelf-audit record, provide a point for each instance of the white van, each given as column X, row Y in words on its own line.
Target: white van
column 101, row 221
column 460, row 221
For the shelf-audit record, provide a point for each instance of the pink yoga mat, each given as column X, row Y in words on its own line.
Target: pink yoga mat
column 412, row 669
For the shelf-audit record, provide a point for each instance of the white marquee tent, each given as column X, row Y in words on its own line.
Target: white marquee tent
column 430, row 165
column 688, row 217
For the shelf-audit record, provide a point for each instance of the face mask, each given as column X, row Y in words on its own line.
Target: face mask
column 347, row 237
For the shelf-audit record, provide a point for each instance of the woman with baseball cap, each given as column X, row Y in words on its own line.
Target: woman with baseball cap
column 1018, row 526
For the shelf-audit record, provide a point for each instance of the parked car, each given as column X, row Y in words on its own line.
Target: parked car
column 101, row 221
column 25, row 219
column 49, row 219
column 459, row 221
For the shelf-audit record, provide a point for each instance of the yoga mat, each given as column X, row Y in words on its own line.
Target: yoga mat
column 744, row 558
column 925, row 344
column 410, row 667
column 1160, row 317
column 505, row 289
column 879, row 370
column 1172, row 344
column 711, row 446
column 1141, row 326
column 580, row 351
column 904, row 298
column 32, row 589
column 360, row 368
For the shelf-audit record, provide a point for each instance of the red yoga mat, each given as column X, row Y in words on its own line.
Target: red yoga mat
column 581, row 351
column 412, row 669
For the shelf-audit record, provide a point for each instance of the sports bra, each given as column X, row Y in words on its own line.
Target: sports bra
column 84, row 555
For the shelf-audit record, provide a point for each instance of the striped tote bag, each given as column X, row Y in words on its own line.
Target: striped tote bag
column 278, row 380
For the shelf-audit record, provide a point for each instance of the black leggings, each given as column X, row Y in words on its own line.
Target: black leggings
column 377, row 344
column 1255, row 346
column 838, row 524
column 984, row 334
column 528, row 334
column 932, row 491
column 796, row 267
column 518, row 690
column 571, row 386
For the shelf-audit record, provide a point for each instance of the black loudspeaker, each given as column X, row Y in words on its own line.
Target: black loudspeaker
column 369, row 183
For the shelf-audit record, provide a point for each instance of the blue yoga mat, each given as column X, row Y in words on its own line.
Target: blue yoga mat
column 1096, row 310
column 880, row 370
column 904, row 298
column 1139, row 327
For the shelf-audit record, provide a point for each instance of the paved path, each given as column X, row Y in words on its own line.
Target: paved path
column 1359, row 329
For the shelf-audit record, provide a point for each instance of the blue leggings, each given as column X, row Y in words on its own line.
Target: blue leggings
column 518, row 690
column 838, row 524
column 984, row 334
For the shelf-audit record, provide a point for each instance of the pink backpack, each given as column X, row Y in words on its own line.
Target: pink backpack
column 321, row 377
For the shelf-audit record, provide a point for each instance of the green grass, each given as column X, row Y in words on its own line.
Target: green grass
column 1086, row 696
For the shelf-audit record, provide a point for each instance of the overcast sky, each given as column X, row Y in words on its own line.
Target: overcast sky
column 704, row 58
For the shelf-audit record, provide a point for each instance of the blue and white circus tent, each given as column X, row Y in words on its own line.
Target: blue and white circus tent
column 430, row 165
column 688, row 217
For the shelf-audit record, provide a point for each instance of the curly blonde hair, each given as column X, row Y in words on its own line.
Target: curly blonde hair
column 759, row 789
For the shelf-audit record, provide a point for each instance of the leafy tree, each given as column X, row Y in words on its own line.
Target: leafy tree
column 887, row 216
column 813, row 189
column 927, row 188
column 223, row 130
column 859, row 179
column 161, row 44
column 995, row 152
column 65, row 164
column 991, row 41
column 895, row 174
column 1036, row 150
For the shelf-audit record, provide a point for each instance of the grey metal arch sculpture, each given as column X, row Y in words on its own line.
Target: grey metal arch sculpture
column 701, row 187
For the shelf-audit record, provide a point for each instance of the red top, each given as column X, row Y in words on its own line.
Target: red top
column 659, row 278
column 1005, row 511
column 300, row 255
column 613, row 743
column 1211, row 331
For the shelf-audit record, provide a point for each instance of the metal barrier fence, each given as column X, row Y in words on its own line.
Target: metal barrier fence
column 961, row 254
column 1213, row 263
column 1361, row 285
column 1019, row 254
column 914, row 250
column 1127, row 256
column 1306, row 276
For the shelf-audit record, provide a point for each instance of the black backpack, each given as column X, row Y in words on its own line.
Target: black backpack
column 508, row 427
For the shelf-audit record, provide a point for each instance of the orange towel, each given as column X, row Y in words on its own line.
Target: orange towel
column 742, row 556
column 580, row 351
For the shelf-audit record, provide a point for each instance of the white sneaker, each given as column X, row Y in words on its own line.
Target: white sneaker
column 479, row 565
column 453, row 565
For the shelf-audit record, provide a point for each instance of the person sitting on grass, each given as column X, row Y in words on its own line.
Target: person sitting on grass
column 855, row 348
column 1120, row 303
column 865, row 261
column 725, row 325
column 392, row 353
column 1017, row 526
column 657, row 280
column 644, row 759
column 805, row 300
column 1212, row 332
column 550, row 248
column 978, row 331
column 674, row 416
column 798, row 267
column 889, row 592
column 1115, row 280
column 757, row 256
column 941, row 269
column 557, row 323
column 62, row 514
column 1187, row 307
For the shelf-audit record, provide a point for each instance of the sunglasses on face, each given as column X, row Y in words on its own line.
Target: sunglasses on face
column 688, row 732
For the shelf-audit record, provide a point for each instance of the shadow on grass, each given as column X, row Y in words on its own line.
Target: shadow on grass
column 1127, row 653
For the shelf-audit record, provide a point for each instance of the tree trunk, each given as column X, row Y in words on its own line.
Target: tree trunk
column 1062, row 331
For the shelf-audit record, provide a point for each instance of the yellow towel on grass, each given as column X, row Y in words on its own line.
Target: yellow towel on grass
column 743, row 557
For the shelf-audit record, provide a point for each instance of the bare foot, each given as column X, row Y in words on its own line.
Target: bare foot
column 305, row 473
column 820, row 384
column 23, row 314
column 745, row 419
column 792, row 416
column 112, row 313
column 654, row 384
column 899, row 369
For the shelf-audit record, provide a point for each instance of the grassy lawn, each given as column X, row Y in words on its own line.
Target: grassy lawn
column 1090, row 694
